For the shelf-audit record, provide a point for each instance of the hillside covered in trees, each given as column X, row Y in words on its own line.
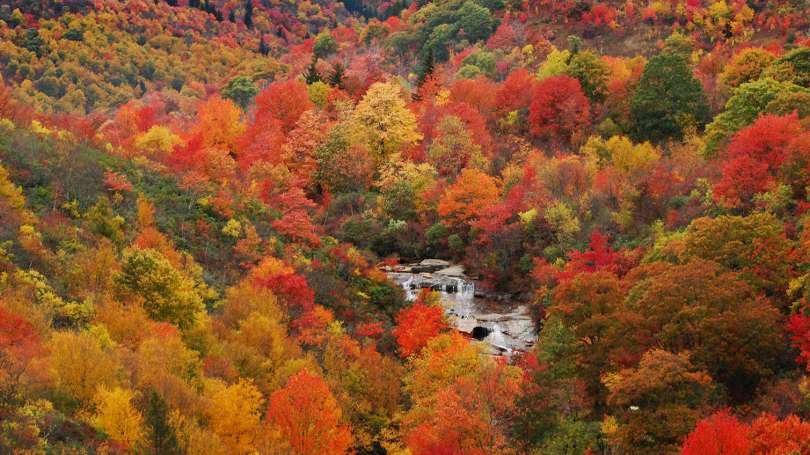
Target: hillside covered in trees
column 202, row 203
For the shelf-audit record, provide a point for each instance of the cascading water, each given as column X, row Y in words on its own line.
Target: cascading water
column 503, row 327
column 410, row 292
column 496, row 338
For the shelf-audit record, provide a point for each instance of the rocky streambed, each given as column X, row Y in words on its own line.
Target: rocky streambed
column 500, row 324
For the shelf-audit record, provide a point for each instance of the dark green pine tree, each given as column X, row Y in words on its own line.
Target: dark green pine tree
column 249, row 13
column 668, row 99
column 425, row 68
column 162, row 438
column 263, row 48
column 312, row 76
column 337, row 76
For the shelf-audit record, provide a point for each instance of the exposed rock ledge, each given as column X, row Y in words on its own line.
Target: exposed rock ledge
column 503, row 326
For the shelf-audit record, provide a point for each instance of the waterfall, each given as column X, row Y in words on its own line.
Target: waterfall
column 463, row 303
column 496, row 337
column 452, row 289
column 410, row 291
column 467, row 289
column 466, row 312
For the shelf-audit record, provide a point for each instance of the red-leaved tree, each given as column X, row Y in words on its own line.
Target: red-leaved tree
column 559, row 110
column 754, row 158
column 417, row 324
column 719, row 434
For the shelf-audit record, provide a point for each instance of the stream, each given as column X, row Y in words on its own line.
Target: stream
column 502, row 327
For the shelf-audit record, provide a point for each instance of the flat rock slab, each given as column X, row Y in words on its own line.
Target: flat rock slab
column 435, row 263
column 455, row 271
column 429, row 265
column 516, row 328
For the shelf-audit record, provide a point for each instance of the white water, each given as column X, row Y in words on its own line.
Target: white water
column 496, row 337
column 511, row 327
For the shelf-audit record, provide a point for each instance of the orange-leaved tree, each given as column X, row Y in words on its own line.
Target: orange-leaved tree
column 308, row 417
column 417, row 324
column 464, row 201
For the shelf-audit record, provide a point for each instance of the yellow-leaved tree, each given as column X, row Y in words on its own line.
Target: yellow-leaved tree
column 235, row 415
column 383, row 120
column 117, row 417
column 12, row 202
column 157, row 142
column 620, row 152
column 166, row 293
column 80, row 364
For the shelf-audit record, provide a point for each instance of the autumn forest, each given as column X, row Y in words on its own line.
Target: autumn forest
column 405, row 227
